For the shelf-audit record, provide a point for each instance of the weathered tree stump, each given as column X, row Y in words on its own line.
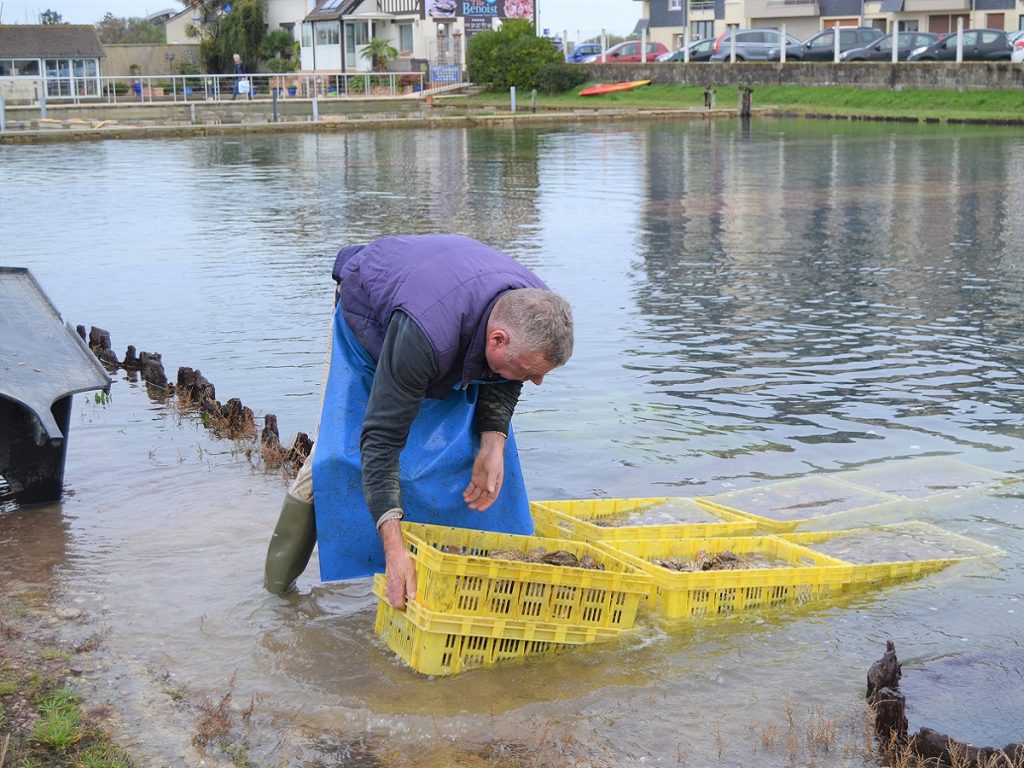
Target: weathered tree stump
column 194, row 387
column 270, row 437
column 940, row 749
column 131, row 360
column 301, row 449
column 886, row 672
column 99, row 343
column 151, row 368
column 886, row 699
column 238, row 419
column 934, row 748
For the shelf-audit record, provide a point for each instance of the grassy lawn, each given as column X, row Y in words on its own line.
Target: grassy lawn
column 920, row 104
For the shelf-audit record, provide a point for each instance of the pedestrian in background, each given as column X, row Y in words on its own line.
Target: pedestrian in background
column 242, row 84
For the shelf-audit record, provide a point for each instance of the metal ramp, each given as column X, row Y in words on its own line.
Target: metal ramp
column 43, row 362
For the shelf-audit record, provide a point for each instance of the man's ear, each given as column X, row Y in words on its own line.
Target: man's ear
column 498, row 337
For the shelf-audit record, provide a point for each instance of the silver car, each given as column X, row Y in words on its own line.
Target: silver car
column 751, row 44
column 1017, row 41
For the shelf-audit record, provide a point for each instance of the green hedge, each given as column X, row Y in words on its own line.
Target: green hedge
column 510, row 56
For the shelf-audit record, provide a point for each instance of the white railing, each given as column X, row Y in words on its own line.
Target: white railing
column 198, row 88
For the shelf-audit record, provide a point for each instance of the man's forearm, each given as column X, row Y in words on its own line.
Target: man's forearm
column 405, row 367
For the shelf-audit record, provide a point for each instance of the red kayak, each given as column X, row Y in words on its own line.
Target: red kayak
column 597, row 90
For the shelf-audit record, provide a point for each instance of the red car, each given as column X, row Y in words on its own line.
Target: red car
column 629, row 51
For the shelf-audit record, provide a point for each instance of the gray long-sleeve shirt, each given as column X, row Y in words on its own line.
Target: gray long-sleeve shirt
column 406, row 367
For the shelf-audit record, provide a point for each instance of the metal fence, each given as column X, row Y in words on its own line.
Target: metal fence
column 201, row 88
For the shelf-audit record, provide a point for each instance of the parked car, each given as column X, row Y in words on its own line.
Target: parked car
column 582, row 51
column 629, row 50
column 751, row 44
column 1017, row 41
column 881, row 49
column 700, row 50
column 978, row 45
column 821, row 45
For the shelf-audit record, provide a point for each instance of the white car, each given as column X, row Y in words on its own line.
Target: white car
column 1017, row 41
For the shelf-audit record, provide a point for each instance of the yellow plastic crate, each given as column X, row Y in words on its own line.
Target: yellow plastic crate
column 444, row 644
column 927, row 477
column 807, row 575
column 784, row 506
column 454, row 574
column 944, row 547
column 578, row 519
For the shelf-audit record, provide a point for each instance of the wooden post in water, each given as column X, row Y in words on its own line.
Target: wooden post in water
column 746, row 97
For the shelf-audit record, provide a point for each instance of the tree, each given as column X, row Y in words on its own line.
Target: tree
column 112, row 31
column 278, row 44
column 379, row 52
column 206, row 16
column 276, row 49
column 241, row 31
column 223, row 32
column 50, row 17
column 512, row 55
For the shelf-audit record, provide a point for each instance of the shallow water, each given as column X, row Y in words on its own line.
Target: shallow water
column 754, row 303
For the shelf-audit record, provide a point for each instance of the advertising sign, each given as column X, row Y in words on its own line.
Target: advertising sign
column 479, row 9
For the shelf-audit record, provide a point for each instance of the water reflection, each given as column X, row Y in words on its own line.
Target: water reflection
column 809, row 303
column 752, row 301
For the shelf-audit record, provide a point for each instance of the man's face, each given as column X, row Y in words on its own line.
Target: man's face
column 509, row 363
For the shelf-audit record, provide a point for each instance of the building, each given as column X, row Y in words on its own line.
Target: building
column 68, row 56
column 336, row 33
column 666, row 19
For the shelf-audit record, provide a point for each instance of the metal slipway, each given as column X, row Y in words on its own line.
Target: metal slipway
column 43, row 362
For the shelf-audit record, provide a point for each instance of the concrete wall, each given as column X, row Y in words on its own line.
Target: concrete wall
column 970, row 75
column 151, row 58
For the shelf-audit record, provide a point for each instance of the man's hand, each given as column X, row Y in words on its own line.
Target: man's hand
column 488, row 472
column 401, row 569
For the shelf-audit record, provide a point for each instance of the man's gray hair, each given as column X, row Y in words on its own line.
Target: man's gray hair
column 538, row 321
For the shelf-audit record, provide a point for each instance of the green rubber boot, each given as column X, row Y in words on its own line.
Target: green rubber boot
column 290, row 546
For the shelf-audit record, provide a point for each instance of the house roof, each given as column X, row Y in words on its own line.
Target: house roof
column 37, row 41
column 329, row 10
column 164, row 15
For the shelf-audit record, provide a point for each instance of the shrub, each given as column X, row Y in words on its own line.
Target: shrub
column 560, row 77
column 512, row 55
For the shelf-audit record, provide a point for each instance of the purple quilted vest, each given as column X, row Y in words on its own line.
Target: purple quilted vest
column 446, row 283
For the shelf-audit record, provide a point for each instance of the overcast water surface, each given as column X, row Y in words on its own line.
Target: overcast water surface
column 754, row 303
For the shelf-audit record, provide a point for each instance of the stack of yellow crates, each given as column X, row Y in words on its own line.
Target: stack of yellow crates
column 472, row 609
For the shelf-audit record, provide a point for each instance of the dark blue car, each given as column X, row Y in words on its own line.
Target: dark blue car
column 581, row 51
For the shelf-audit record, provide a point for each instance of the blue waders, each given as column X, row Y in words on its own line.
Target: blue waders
column 435, row 467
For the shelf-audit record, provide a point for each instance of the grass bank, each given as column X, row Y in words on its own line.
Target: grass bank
column 923, row 105
column 43, row 721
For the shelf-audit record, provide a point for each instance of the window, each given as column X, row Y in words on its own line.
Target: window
column 19, row 67
column 328, row 33
column 356, row 34
column 307, row 35
column 700, row 30
column 824, row 41
column 675, row 5
column 405, row 37
column 908, row 26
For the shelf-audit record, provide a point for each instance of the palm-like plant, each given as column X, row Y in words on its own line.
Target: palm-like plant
column 206, row 15
column 380, row 52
